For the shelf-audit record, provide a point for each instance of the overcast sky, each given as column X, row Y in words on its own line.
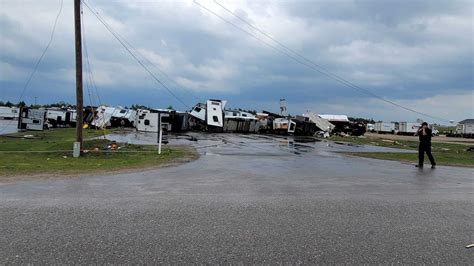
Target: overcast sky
column 416, row 53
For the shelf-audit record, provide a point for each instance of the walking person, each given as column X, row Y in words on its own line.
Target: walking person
column 424, row 133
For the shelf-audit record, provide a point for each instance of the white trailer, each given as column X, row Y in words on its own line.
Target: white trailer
column 208, row 116
column 9, row 113
column 384, row 127
column 240, row 121
column 199, row 111
column 123, row 117
column 103, row 116
column 322, row 123
column 284, row 125
column 32, row 119
column 370, row 127
column 215, row 113
column 147, row 120
column 63, row 117
column 408, row 128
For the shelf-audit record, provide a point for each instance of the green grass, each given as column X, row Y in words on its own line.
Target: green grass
column 444, row 153
column 20, row 156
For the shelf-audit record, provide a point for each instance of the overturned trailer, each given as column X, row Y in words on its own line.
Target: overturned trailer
column 170, row 120
column 102, row 117
column 342, row 124
column 208, row 116
column 236, row 121
column 122, row 117
column 324, row 127
column 105, row 116
column 150, row 120
column 89, row 115
column 283, row 126
column 304, row 126
column 32, row 119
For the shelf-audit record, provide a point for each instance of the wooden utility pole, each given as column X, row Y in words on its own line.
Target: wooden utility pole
column 79, row 96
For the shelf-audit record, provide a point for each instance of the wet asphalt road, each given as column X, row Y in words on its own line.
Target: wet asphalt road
column 249, row 199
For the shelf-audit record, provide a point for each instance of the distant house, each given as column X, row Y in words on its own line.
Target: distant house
column 465, row 127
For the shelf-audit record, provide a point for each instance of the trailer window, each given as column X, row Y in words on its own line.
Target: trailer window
column 244, row 115
column 123, row 111
column 292, row 126
column 147, row 122
column 197, row 109
column 214, row 103
column 215, row 118
column 36, row 121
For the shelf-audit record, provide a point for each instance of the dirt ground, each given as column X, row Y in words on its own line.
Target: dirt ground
column 442, row 139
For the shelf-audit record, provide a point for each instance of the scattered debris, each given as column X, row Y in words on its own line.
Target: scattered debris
column 470, row 246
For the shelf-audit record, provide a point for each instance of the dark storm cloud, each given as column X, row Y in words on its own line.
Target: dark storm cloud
column 415, row 52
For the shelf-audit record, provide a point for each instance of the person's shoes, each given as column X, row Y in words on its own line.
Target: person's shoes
column 433, row 166
column 419, row 165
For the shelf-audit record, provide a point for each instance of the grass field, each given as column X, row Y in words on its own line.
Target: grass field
column 444, row 153
column 50, row 152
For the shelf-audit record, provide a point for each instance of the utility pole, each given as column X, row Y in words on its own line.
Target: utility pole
column 79, row 95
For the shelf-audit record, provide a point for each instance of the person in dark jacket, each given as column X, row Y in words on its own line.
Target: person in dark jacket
column 424, row 133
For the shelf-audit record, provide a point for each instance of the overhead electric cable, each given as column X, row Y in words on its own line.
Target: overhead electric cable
column 142, row 56
column 286, row 51
column 134, row 56
column 87, row 69
column 35, row 68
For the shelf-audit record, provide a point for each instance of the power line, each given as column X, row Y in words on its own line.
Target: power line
column 88, row 86
column 286, row 51
column 134, row 56
column 91, row 81
column 43, row 53
column 144, row 57
column 35, row 68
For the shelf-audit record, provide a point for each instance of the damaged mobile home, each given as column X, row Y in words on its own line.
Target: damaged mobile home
column 236, row 121
column 208, row 116
column 106, row 116
column 170, row 120
column 32, row 119
column 342, row 124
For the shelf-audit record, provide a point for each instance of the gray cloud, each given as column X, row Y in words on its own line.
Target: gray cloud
column 408, row 51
